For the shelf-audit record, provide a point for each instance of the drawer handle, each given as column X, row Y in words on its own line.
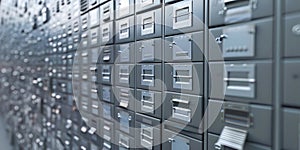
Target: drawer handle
column 240, row 80
column 220, row 39
column 123, row 144
column 147, row 75
column 180, row 101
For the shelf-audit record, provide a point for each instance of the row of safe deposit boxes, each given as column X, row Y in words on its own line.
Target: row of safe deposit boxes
column 132, row 74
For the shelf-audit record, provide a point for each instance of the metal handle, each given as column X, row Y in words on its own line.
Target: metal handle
column 123, row 144
column 252, row 4
column 180, row 101
column 172, row 44
column 239, row 80
column 147, row 75
column 171, row 140
column 182, row 109
column 220, row 39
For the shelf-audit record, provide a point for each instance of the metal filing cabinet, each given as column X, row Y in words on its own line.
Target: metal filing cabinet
column 149, row 50
column 94, row 37
column 183, row 111
column 184, row 77
column 142, row 5
column 108, row 134
column 106, row 33
column 227, row 12
column 148, row 76
column 184, row 16
column 94, row 16
column 94, row 100
column 94, row 53
column 107, row 54
column 125, row 53
column 291, row 82
column 125, row 75
column 125, row 97
column 125, row 30
column 185, row 47
column 251, row 40
column 247, row 81
column 291, row 6
column 149, row 24
column 107, row 110
column 84, row 43
column 124, row 141
column 124, row 8
column 290, row 128
column 148, row 132
column 176, row 141
column 252, row 122
column 84, row 22
column 149, row 103
column 107, row 12
column 292, row 35
column 212, row 139
column 106, row 74
column 125, row 120
column 105, row 93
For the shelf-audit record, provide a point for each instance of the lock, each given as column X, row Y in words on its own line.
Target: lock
column 296, row 29
column 220, row 39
